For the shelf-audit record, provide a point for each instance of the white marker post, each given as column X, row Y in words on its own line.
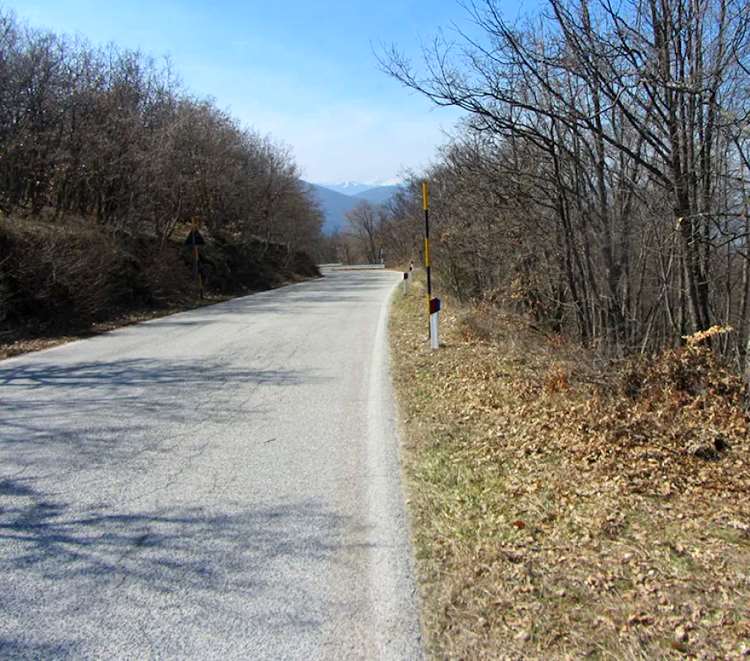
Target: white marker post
column 406, row 283
column 435, row 323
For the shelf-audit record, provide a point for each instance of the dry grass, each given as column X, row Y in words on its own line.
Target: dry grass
column 561, row 514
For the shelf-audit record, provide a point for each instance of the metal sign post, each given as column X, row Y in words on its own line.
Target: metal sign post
column 195, row 239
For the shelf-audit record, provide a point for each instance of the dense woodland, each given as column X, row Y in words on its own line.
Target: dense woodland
column 600, row 179
column 111, row 135
column 107, row 141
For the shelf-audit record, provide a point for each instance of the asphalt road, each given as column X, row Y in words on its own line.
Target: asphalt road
column 222, row 483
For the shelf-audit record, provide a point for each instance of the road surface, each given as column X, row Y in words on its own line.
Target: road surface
column 221, row 483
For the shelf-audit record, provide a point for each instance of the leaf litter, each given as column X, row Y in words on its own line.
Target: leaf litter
column 566, row 509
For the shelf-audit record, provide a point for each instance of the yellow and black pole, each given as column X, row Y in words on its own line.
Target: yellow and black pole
column 433, row 304
column 427, row 265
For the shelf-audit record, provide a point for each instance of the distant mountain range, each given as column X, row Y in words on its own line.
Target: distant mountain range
column 336, row 200
column 357, row 187
column 348, row 187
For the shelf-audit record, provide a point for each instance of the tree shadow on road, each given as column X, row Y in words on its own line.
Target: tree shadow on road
column 20, row 648
column 69, row 567
column 134, row 373
column 109, row 411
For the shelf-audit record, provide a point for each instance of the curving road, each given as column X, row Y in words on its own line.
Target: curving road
column 222, row 483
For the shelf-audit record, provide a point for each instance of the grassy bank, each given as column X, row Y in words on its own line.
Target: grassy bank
column 60, row 281
column 564, row 511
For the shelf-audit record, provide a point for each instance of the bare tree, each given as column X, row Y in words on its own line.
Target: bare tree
column 365, row 221
column 603, row 146
column 110, row 135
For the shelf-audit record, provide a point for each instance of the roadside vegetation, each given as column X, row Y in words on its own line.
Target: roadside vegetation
column 578, row 450
column 561, row 509
column 105, row 163
column 64, row 280
column 599, row 181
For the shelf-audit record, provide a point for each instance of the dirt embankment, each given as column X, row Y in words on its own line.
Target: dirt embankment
column 59, row 281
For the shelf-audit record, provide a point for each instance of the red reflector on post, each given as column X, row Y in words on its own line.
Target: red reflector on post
column 434, row 305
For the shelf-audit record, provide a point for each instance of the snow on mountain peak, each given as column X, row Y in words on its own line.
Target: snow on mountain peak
column 357, row 187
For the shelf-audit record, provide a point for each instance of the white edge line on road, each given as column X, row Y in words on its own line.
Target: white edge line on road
column 392, row 581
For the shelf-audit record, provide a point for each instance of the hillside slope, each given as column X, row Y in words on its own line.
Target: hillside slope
column 379, row 194
column 65, row 279
column 335, row 205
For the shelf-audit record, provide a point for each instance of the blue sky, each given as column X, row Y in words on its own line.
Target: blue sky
column 304, row 72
